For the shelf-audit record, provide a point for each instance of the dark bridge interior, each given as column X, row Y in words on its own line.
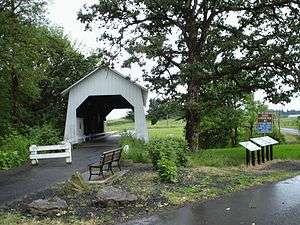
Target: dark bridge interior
column 95, row 109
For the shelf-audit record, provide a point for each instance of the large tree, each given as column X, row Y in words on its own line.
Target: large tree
column 37, row 62
column 20, row 65
column 247, row 45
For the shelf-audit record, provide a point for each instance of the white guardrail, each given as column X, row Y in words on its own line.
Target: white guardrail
column 62, row 150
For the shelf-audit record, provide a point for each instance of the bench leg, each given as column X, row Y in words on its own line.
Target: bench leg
column 101, row 172
column 271, row 152
column 247, row 157
column 119, row 166
column 253, row 158
column 263, row 154
column 110, row 168
column 267, row 153
column 90, row 169
column 34, row 162
column 258, row 157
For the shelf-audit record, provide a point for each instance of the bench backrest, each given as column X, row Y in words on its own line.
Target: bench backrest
column 111, row 155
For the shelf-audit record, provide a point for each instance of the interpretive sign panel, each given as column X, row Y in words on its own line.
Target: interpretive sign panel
column 260, row 141
column 270, row 140
column 250, row 146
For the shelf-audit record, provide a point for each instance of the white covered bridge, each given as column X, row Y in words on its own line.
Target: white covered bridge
column 94, row 96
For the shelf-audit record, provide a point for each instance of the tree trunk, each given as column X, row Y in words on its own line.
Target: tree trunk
column 192, row 118
column 234, row 137
column 14, row 95
column 251, row 130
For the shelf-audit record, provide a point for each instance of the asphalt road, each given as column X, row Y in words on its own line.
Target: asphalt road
column 292, row 131
column 17, row 182
column 275, row 204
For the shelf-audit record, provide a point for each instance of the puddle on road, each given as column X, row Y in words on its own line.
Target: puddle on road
column 274, row 204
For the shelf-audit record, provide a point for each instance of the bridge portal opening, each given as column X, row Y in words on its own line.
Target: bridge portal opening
column 91, row 114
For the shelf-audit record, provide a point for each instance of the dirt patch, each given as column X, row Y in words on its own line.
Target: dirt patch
column 290, row 165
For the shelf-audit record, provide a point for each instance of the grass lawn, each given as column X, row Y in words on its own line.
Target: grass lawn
column 210, row 173
column 228, row 157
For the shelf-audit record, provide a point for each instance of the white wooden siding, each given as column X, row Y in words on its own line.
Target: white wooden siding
column 105, row 82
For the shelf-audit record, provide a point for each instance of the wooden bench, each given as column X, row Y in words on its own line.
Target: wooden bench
column 107, row 158
column 51, row 151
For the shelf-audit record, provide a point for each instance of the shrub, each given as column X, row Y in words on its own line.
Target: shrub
column 137, row 151
column 13, row 150
column 277, row 135
column 167, row 170
column 45, row 135
column 172, row 148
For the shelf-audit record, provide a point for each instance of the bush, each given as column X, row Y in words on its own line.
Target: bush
column 45, row 135
column 167, row 170
column 13, row 150
column 137, row 151
column 171, row 148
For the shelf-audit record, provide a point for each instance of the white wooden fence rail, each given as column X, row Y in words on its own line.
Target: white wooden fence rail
column 53, row 151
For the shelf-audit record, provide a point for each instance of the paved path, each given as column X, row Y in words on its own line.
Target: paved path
column 16, row 183
column 275, row 204
column 292, row 131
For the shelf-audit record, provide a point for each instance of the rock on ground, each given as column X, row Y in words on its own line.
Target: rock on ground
column 110, row 196
column 47, row 206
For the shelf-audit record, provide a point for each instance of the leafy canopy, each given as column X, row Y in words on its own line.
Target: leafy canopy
column 245, row 45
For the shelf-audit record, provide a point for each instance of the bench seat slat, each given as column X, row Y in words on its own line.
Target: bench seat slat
column 49, row 155
column 50, row 148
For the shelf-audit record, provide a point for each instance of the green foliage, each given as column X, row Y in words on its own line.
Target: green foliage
column 192, row 45
column 130, row 115
column 137, row 151
column 167, row 170
column 38, row 62
column 171, row 148
column 252, row 109
column 13, row 150
column 45, row 135
column 159, row 109
column 298, row 122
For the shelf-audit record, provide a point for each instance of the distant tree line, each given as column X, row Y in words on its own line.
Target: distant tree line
column 287, row 113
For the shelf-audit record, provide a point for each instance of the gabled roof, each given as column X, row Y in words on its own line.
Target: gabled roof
column 144, row 90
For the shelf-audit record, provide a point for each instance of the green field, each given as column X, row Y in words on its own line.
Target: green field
column 288, row 122
column 162, row 128
column 174, row 127
column 211, row 157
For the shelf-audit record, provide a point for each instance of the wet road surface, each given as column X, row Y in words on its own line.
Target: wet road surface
column 275, row 204
column 291, row 131
column 17, row 182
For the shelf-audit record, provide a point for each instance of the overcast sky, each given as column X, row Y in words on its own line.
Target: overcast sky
column 63, row 13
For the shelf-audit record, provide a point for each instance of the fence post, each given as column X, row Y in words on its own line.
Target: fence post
column 33, row 153
column 69, row 151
